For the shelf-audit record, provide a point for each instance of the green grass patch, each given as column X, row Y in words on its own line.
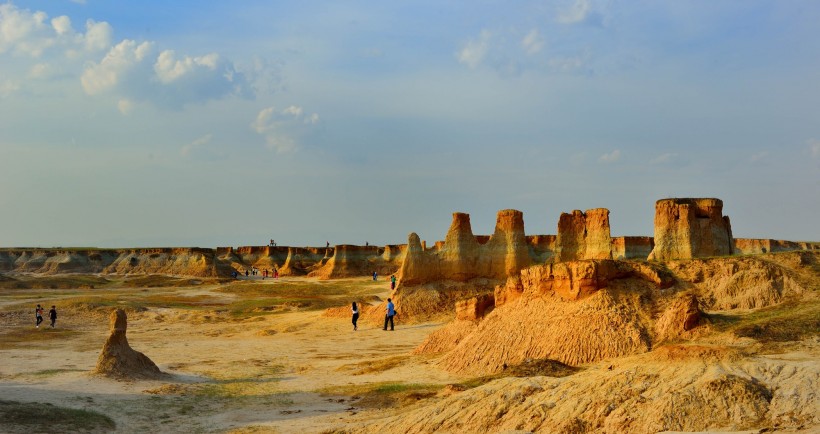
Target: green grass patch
column 385, row 395
column 162, row 281
column 791, row 321
column 43, row 417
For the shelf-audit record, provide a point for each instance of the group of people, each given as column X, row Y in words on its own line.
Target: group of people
column 390, row 312
column 52, row 314
column 255, row 271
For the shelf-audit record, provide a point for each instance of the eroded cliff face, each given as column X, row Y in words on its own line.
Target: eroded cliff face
column 584, row 235
column 690, row 228
column 351, row 261
column 461, row 257
column 749, row 246
column 632, row 247
column 175, row 261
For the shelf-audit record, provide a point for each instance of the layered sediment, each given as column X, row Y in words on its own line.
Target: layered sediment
column 691, row 228
column 584, row 235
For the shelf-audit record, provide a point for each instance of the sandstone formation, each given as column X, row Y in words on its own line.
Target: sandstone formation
column 352, row 261
column 632, row 247
column 462, row 258
column 673, row 389
column 584, row 235
column 679, row 318
column 748, row 246
column 118, row 360
column 176, row 261
column 583, row 311
column 690, row 228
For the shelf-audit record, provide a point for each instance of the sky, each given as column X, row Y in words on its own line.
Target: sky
column 221, row 123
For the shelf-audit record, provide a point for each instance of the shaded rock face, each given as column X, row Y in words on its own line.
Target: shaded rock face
column 462, row 257
column 682, row 315
column 351, row 261
column 118, row 360
column 690, row 228
column 584, row 235
column 474, row 308
column 632, row 247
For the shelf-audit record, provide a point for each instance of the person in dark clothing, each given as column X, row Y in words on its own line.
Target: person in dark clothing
column 38, row 314
column 53, row 315
column 391, row 312
column 355, row 316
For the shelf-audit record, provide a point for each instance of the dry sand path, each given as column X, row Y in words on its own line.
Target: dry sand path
column 287, row 372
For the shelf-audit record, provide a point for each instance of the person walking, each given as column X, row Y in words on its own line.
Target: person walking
column 355, row 316
column 375, row 276
column 38, row 314
column 53, row 315
column 391, row 312
column 393, row 282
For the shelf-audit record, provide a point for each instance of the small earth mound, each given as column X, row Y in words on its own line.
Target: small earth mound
column 540, row 367
column 118, row 360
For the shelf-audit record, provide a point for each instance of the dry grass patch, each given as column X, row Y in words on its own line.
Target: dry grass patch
column 81, row 281
column 374, row 366
column 17, row 337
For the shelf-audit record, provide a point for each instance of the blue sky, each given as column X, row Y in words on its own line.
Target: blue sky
column 230, row 123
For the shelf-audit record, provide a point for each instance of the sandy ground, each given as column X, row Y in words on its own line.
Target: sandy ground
column 287, row 372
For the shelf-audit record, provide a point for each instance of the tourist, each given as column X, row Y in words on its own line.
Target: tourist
column 275, row 273
column 375, row 276
column 391, row 312
column 355, row 316
column 327, row 244
column 393, row 282
column 247, row 273
column 53, row 315
column 38, row 314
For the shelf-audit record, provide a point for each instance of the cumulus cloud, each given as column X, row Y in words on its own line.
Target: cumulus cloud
column 284, row 128
column 129, row 69
column 610, row 157
column 533, row 42
column 28, row 33
column 474, row 51
column 133, row 71
column 117, row 63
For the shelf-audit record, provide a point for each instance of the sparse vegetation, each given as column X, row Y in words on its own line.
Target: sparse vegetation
column 44, row 417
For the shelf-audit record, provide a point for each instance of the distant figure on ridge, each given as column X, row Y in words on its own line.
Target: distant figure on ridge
column 38, row 314
column 393, row 282
column 355, row 316
column 391, row 312
column 327, row 244
column 53, row 315
column 366, row 244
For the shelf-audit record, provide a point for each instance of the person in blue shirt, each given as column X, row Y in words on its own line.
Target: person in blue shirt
column 391, row 312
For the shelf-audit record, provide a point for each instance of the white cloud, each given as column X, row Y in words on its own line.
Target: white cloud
column 610, row 157
column 122, row 58
column 473, row 52
column 25, row 32
column 8, row 87
column 62, row 25
column 39, row 71
column 533, row 42
column 283, row 129
column 97, row 35
column 168, row 68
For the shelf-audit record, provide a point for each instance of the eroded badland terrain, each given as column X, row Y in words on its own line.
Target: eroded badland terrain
column 577, row 332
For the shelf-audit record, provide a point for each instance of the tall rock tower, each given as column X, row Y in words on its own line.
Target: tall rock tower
column 690, row 228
